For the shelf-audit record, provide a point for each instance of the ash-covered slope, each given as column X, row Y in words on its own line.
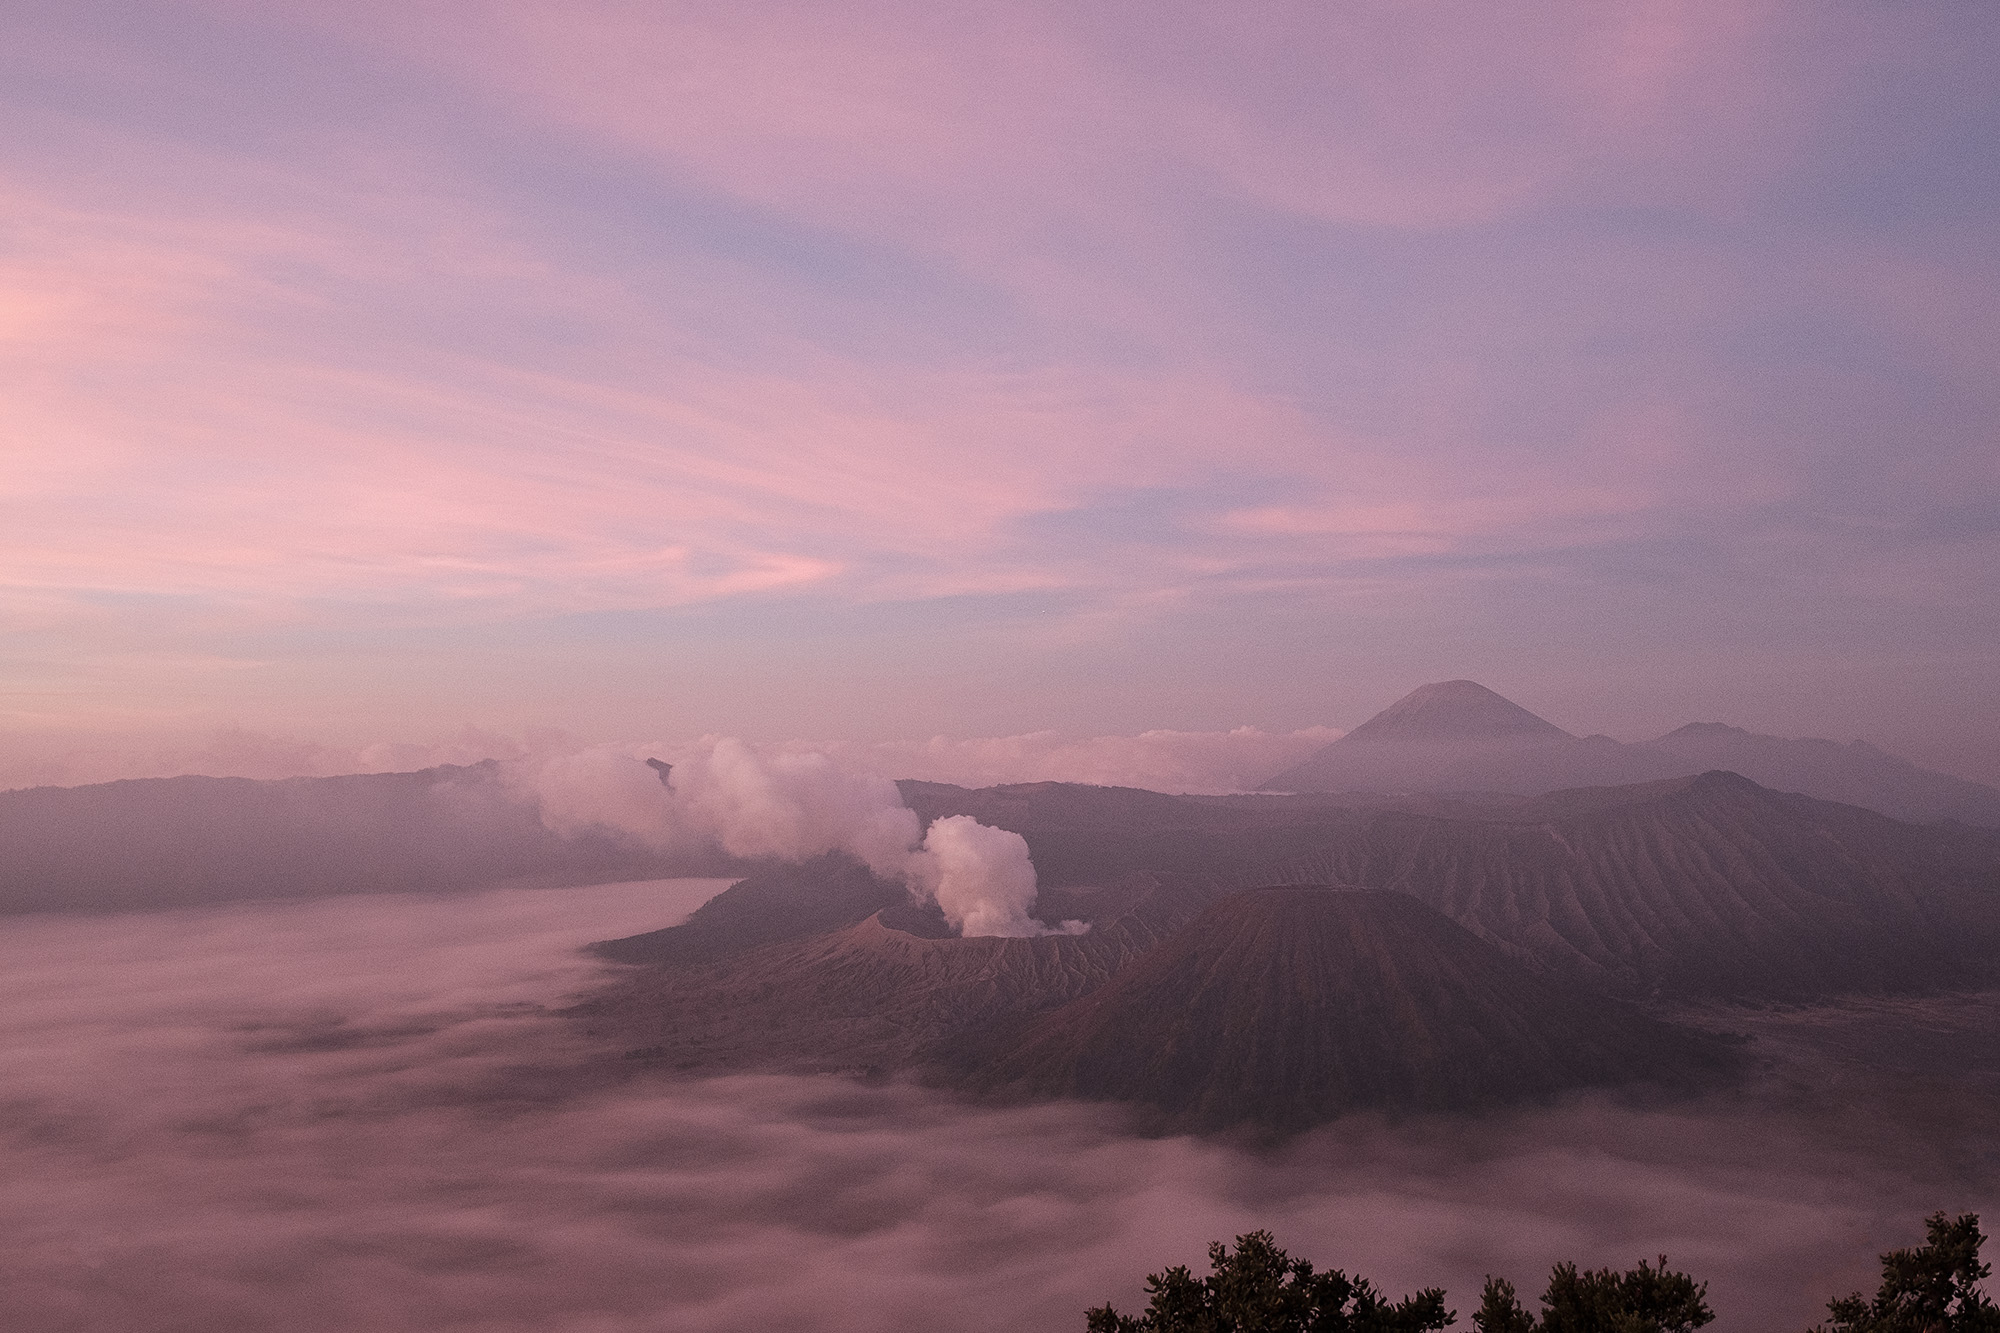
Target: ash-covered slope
column 1285, row 1007
column 893, row 991
column 161, row 842
column 1701, row 886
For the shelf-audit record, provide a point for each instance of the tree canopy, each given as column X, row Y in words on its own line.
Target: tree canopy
column 1258, row 1287
column 1931, row 1288
column 1641, row 1300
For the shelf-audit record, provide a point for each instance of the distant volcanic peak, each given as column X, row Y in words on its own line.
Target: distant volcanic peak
column 1722, row 779
column 1454, row 710
column 1718, row 784
column 1714, row 782
column 1715, row 788
column 1705, row 729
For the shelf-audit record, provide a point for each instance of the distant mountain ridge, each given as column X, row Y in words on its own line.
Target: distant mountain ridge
column 1458, row 736
column 1856, row 773
column 1703, row 886
column 169, row 842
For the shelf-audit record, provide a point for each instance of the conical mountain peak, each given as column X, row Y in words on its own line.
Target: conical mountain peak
column 1454, row 710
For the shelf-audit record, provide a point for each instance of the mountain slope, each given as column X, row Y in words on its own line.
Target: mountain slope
column 162, row 842
column 1856, row 773
column 875, row 996
column 783, row 902
column 1284, row 1007
column 1709, row 886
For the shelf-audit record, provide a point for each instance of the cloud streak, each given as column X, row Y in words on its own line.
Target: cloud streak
column 389, row 334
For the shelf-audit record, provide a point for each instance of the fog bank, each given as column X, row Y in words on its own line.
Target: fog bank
column 358, row 1114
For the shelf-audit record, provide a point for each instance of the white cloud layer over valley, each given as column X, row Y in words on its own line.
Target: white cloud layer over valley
column 359, row 1114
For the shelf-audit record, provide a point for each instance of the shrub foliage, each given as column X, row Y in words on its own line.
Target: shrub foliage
column 1258, row 1288
column 1931, row 1288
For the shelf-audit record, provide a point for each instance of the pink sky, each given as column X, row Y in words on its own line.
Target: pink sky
column 370, row 371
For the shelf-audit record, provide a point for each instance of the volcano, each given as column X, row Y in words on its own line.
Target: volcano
column 1476, row 953
column 1458, row 735
column 894, row 990
column 1285, row 1007
column 1453, row 710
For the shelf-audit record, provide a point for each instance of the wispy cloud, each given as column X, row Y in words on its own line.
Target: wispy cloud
column 345, row 322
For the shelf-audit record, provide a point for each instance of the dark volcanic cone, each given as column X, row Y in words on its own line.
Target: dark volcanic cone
column 1284, row 1007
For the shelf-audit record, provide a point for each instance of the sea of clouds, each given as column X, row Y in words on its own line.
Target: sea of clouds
column 363, row 1113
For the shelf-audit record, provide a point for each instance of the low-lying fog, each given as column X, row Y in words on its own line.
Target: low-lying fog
column 354, row 1114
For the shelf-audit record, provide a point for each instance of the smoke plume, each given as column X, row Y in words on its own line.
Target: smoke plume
column 981, row 878
column 792, row 805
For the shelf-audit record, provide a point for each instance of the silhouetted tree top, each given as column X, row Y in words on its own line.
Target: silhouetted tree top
column 1641, row 1300
column 1933, row 1288
column 1258, row 1288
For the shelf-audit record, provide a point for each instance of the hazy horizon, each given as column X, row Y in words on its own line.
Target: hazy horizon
column 1163, row 759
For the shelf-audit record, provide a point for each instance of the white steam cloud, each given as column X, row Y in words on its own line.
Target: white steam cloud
column 792, row 804
column 981, row 878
